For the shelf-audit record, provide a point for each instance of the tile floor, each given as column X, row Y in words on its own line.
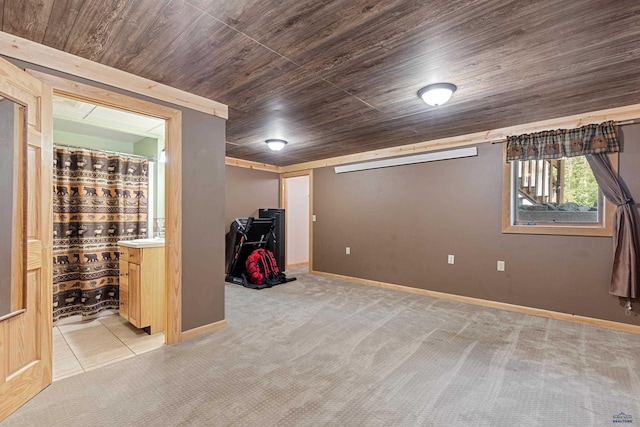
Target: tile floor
column 91, row 344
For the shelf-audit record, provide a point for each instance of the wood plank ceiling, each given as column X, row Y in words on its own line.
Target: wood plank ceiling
column 336, row 77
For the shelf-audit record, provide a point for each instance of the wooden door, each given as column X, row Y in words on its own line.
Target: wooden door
column 25, row 333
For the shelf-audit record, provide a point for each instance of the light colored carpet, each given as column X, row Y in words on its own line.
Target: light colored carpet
column 325, row 352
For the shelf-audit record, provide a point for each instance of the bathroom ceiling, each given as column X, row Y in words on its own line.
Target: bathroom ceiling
column 339, row 77
column 83, row 118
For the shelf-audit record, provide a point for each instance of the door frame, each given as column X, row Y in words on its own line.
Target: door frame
column 283, row 205
column 173, row 180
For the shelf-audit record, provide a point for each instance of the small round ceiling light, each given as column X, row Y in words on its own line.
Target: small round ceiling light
column 437, row 94
column 276, row 144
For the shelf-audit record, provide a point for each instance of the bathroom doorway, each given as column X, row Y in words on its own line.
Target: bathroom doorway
column 108, row 188
column 173, row 181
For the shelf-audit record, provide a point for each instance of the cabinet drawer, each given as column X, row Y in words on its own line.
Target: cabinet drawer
column 135, row 255
column 124, row 253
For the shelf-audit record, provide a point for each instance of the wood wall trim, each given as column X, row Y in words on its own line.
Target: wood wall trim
column 296, row 173
column 624, row 327
column 629, row 112
column 173, row 181
column 35, row 53
column 232, row 161
column 203, row 330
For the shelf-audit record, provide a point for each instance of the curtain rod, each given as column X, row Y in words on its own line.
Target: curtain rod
column 619, row 123
column 97, row 150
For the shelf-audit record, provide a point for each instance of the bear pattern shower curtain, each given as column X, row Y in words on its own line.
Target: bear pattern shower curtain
column 98, row 199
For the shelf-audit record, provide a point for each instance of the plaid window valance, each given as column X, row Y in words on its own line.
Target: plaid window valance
column 555, row 144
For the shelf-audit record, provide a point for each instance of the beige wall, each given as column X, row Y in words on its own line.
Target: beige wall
column 402, row 222
column 248, row 190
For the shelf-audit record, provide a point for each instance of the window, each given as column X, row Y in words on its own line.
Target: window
column 554, row 196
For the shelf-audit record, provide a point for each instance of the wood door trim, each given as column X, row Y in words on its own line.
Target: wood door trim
column 173, row 181
column 45, row 56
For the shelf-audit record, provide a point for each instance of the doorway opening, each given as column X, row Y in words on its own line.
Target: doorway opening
column 296, row 199
column 109, row 194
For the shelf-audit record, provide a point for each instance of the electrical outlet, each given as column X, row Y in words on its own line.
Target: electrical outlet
column 450, row 259
column 348, row 250
column 500, row 265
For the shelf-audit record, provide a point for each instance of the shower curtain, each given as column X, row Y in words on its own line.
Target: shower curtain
column 98, row 199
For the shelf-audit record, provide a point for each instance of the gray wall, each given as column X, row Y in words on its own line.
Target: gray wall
column 248, row 190
column 202, row 220
column 203, row 141
column 402, row 222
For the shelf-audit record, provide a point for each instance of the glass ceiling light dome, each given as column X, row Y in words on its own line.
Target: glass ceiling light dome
column 276, row 144
column 437, row 94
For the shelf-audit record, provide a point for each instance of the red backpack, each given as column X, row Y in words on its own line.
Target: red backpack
column 262, row 268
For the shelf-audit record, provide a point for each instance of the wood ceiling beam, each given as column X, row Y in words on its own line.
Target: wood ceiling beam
column 619, row 114
column 231, row 161
column 38, row 54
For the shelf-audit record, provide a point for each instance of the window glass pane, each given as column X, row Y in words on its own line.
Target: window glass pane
column 556, row 191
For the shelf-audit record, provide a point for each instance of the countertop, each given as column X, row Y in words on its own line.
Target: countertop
column 142, row 243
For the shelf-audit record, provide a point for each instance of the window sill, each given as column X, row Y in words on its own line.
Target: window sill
column 596, row 231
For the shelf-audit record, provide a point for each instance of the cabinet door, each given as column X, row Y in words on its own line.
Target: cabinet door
column 124, row 287
column 124, row 275
column 135, row 255
column 124, row 303
column 134, row 295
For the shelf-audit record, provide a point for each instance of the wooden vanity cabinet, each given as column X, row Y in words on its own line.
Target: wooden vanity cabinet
column 142, row 287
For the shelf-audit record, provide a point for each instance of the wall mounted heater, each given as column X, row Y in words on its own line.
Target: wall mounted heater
column 409, row 160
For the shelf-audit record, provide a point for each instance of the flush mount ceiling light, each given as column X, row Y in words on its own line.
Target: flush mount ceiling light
column 276, row 144
column 437, row 94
